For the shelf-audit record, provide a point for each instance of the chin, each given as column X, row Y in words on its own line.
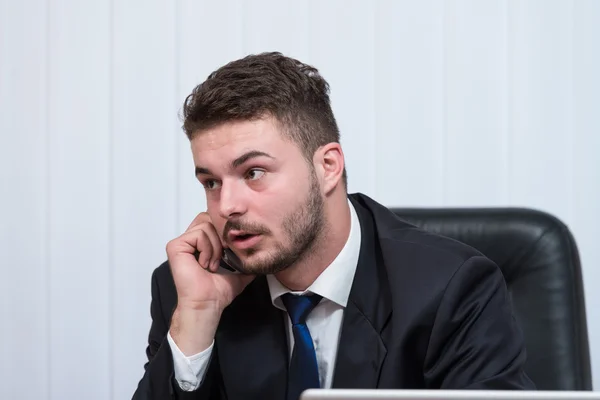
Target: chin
column 257, row 265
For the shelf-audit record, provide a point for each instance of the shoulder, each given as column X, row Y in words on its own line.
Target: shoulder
column 416, row 262
column 399, row 238
column 422, row 270
column 426, row 248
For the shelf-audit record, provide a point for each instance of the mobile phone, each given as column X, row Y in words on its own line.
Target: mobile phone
column 229, row 261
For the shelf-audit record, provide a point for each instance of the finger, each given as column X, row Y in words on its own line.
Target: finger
column 199, row 241
column 217, row 254
column 217, row 249
column 200, row 218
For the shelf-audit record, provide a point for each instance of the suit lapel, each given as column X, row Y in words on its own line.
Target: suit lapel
column 360, row 353
column 361, row 350
column 252, row 346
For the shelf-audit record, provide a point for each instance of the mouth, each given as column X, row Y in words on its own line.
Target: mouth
column 243, row 240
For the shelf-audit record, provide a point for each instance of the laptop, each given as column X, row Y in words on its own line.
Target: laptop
column 388, row 394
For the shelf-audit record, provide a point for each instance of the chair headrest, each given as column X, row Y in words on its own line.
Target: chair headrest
column 540, row 262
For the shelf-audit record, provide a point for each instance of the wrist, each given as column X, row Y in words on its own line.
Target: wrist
column 204, row 307
column 193, row 329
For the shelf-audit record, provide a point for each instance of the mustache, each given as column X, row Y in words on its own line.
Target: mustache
column 248, row 227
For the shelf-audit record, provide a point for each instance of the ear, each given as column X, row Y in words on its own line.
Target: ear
column 329, row 162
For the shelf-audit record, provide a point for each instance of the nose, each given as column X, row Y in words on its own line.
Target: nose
column 232, row 201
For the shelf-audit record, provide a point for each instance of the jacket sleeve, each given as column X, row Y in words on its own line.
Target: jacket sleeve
column 475, row 341
column 159, row 381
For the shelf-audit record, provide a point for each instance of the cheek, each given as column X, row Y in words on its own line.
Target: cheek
column 276, row 208
column 288, row 190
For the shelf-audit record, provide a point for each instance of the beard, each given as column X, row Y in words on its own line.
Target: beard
column 302, row 227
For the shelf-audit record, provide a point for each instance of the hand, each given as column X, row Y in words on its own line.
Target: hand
column 202, row 294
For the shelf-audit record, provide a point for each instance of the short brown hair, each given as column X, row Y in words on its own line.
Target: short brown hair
column 261, row 85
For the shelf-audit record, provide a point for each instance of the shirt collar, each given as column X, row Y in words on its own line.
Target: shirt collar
column 335, row 281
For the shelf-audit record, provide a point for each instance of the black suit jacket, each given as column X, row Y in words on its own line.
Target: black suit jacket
column 424, row 312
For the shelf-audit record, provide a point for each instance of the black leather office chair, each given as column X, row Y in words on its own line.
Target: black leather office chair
column 539, row 259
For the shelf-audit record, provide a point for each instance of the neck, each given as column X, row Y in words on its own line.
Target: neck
column 325, row 248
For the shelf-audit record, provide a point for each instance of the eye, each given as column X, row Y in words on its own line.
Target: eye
column 210, row 184
column 255, row 174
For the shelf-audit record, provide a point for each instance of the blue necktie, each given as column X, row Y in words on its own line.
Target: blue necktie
column 304, row 371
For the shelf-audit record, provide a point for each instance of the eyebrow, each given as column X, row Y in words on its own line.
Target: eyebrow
column 237, row 162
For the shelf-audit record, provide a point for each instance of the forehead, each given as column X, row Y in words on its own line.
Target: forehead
column 232, row 138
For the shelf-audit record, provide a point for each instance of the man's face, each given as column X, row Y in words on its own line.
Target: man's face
column 263, row 197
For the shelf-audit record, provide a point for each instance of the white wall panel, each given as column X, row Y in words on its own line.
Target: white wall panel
column 145, row 135
column 272, row 25
column 24, row 335
column 79, row 117
column 541, row 106
column 408, row 103
column 475, row 87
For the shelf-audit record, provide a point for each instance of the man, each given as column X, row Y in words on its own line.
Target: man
column 334, row 290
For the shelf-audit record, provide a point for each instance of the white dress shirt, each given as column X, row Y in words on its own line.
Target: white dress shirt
column 324, row 322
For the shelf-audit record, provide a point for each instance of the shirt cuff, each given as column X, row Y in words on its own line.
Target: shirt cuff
column 189, row 371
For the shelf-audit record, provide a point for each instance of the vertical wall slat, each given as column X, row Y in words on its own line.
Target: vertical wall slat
column 475, row 102
column 143, row 154
column 409, row 102
column 24, row 350
column 272, row 25
column 539, row 88
column 79, row 124
column 586, row 161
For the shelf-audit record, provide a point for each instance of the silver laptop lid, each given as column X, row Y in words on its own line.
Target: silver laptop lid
column 381, row 394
